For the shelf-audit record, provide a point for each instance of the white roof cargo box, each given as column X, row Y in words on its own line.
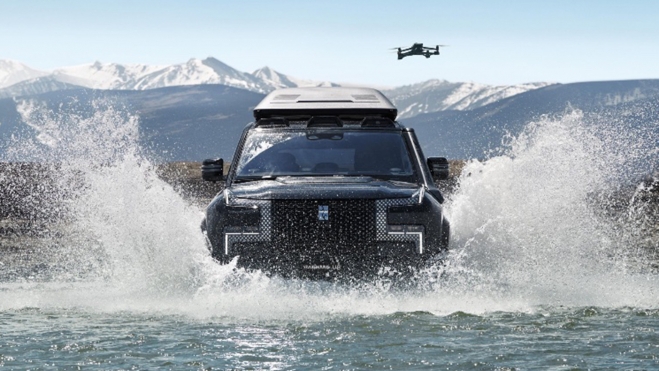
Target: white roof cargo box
column 307, row 102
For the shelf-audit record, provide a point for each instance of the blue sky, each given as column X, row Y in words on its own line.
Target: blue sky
column 502, row 42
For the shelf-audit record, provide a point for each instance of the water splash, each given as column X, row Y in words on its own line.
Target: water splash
column 529, row 224
column 527, row 234
column 123, row 225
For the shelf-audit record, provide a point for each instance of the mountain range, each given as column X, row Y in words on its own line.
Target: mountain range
column 474, row 133
column 17, row 79
column 191, row 111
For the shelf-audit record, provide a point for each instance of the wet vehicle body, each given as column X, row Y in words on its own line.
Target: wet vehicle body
column 326, row 183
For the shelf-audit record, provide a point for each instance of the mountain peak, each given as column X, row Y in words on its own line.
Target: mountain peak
column 10, row 63
column 275, row 79
column 264, row 69
column 219, row 67
column 211, row 59
column 13, row 72
column 266, row 72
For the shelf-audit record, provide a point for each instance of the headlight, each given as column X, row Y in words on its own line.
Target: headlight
column 409, row 214
column 243, row 216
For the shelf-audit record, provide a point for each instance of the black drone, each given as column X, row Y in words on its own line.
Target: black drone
column 418, row 49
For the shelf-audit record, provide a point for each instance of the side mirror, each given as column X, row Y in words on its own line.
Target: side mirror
column 438, row 168
column 212, row 170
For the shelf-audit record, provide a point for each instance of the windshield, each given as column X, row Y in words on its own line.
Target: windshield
column 324, row 153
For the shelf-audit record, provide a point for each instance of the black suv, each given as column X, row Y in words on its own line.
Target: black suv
column 325, row 182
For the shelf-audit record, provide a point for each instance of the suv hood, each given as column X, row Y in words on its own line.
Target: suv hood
column 323, row 188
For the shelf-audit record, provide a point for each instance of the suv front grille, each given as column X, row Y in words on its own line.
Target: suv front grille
column 305, row 221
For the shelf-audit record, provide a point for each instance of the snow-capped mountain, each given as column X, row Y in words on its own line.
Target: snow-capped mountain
column 274, row 78
column 193, row 72
column 279, row 80
column 439, row 95
column 140, row 77
column 17, row 79
column 104, row 75
column 38, row 85
column 12, row 72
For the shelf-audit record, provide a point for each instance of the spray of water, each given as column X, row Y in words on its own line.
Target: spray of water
column 530, row 224
column 527, row 233
column 124, row 228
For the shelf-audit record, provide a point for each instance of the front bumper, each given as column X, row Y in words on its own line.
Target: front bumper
column 320, row 237
column 328, row 260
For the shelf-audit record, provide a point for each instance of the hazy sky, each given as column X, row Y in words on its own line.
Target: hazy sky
column 493, row 42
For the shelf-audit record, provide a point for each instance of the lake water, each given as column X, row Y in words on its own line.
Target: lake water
column 541, row 274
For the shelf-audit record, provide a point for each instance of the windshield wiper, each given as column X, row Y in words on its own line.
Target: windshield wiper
column 253, row 178
column 387, row 178
column 401, row 182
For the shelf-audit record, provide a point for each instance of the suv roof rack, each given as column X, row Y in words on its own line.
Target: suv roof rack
column 377, row 122
column 272, row 122
column 324, row 121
